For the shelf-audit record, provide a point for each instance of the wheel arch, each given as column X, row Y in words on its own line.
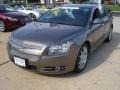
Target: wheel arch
column 32, row 14
column 88, row 43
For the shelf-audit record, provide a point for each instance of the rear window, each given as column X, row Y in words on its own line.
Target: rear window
column 6, row 8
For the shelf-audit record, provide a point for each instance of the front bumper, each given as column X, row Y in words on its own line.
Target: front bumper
column 46, row 64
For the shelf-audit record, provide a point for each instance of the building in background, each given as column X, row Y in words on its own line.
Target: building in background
column 32, row 1
column 96, row 1
column 60, row 1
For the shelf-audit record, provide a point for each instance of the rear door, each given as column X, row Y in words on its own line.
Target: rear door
column 105, row 15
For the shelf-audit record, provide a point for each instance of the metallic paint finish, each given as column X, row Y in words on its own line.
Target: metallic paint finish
column 42, row 34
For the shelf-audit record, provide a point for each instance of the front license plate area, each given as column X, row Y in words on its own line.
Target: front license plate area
column 19, row 61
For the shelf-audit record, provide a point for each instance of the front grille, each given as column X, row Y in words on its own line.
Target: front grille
column 48, row 69
column 25, row 47
column 24, row 44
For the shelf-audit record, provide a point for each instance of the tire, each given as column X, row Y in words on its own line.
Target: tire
column 82, row 59
column 108, row 39
column 2, row 26
column 33, row 17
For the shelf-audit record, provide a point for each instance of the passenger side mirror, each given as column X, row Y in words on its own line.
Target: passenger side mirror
column 98, row 21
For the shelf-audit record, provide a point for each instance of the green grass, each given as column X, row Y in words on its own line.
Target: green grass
column 114, row 8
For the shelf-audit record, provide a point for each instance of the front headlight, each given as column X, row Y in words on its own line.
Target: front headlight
column 12, row 19
column 59, row 49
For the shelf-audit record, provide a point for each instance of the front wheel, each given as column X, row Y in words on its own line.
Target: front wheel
column 82, row 59
column 2, row 26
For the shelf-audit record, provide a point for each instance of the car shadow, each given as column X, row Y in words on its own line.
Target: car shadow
column 98, row 57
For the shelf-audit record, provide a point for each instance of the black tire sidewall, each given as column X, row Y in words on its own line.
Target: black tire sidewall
column 33, row 17
column 109, row 38
column 76, row 68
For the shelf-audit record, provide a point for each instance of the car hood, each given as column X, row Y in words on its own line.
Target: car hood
column 15, row 14
column 45, row 32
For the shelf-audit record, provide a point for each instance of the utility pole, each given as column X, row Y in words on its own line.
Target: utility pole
column 26, row 1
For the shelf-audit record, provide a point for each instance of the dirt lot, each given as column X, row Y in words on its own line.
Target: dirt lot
column 101, row 73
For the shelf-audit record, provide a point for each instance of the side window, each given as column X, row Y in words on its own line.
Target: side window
column 2, row 9
column 96, row 14
column 104, row 12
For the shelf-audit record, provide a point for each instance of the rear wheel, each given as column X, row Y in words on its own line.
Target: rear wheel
column 2, row 26
column 33, row 17
column 82, row 59
column 108, row 39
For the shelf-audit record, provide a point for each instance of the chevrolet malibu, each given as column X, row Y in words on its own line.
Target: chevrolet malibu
column 61, row 40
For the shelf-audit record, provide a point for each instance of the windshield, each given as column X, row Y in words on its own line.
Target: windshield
column 19, row 7
column 67, row 15
column 28, row 7
column 6, row 8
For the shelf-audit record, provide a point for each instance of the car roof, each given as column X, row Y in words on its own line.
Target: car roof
column 81, row 5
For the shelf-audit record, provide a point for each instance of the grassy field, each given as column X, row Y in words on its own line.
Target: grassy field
column 114, row 8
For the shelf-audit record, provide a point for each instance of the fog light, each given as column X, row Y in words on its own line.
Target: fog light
column 57, row 68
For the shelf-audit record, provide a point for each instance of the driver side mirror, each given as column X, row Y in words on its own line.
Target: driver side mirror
column 98, row 21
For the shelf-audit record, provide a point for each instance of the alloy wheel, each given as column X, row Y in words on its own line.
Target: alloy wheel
column 82, row 59
column 33, row 17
